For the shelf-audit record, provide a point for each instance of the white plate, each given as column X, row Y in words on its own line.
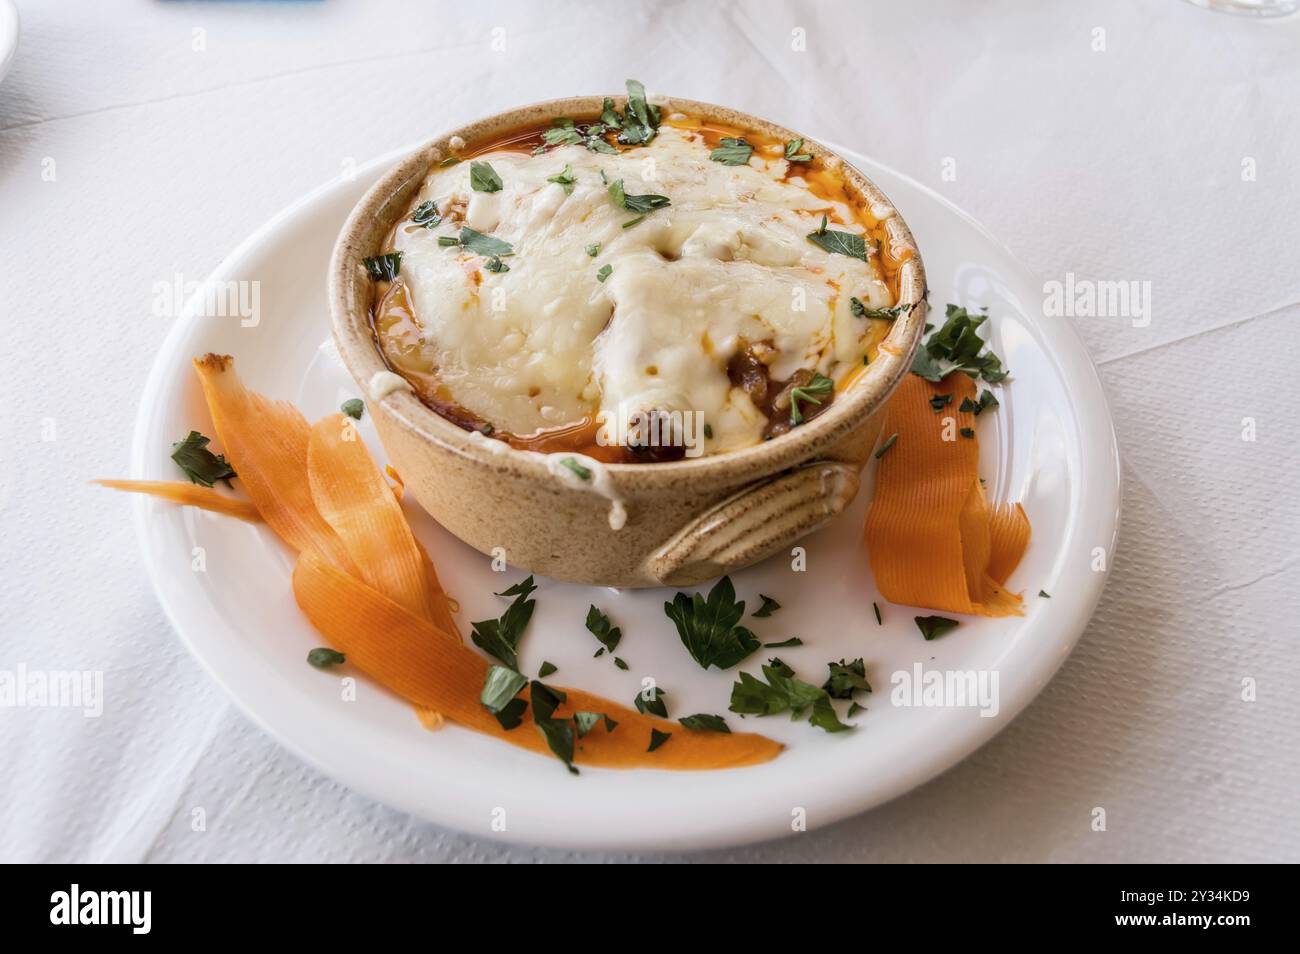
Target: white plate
column 1050, row 444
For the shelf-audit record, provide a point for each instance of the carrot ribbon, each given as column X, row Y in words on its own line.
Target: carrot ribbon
column 932, row 536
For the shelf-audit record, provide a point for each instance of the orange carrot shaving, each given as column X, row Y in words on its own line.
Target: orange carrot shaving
column 399, row 485
column 190, row 495
column 932, row 536
column 266, row 442
column 418, row 662
column 351, row 494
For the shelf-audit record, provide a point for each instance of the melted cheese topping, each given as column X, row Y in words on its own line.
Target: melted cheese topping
column 546, row 344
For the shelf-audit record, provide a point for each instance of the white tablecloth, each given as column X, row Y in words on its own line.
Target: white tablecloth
column 1118, row 141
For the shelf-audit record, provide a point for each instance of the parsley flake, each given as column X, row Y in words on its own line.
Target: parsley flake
column 383, row 268
column 200, row 465
column 564, row 178
column 324, row 657
column 932, row 627
column 709, row 627
column 572, row 464
column 486, row 245
column 793, row 153
column 703, row 722
column 650, row 701
column 819, row 387
column 957, row 346
column 732, row 152
column 483, row 178
column 839, row 243
column 500, row 637
column 599, row 626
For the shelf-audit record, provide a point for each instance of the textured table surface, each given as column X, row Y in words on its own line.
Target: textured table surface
column 1153, row 142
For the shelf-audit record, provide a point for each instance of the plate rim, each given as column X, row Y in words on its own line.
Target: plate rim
column 945, row 755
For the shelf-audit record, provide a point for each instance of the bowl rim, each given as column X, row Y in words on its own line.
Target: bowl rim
column 378, row 212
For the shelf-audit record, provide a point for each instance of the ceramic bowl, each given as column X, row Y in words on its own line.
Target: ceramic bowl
column 686, row 521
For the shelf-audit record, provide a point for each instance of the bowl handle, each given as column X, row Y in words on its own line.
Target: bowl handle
column 756, row 522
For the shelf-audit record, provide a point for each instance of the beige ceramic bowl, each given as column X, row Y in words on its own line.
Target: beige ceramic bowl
column 687, row 521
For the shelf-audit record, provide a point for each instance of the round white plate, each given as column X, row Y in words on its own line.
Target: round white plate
column 1050, row 444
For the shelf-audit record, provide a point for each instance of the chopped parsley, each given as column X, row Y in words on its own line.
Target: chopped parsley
column 558, row 733
column 709, row 628
column 609, row 115
column 860, row 310
column 512, row 714
column 564, row 178
column 1044, row 594
column 383, row 268
column 880, row 621
column 485, row 245
column 782, row 692
column 494, row 264
column 703, row 722
column 584, row 722
column 968, row 432
column 426, row 214
column 654, row 704
column 840, row 243
column 890, row 441
column 324, row 658
column 572, row 464
column 636, row 203
column 548, row 669
column 846, row 679
column 957, row 346
column 940, row 401
column 483, row 178
column 932, row 627
column 793, row 151
column 200, row 465
column 619, row 663
column 500, row 686
column 769, row 606
column 500, row 637
column 565, row 132
column 658, row 738
column 819, row 387
column 640, row 118
column 732, row 152
column 785, row 643
column 353, row 408
column 599, row 626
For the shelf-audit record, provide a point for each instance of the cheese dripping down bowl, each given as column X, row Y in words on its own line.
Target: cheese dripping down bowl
column 613, row 389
